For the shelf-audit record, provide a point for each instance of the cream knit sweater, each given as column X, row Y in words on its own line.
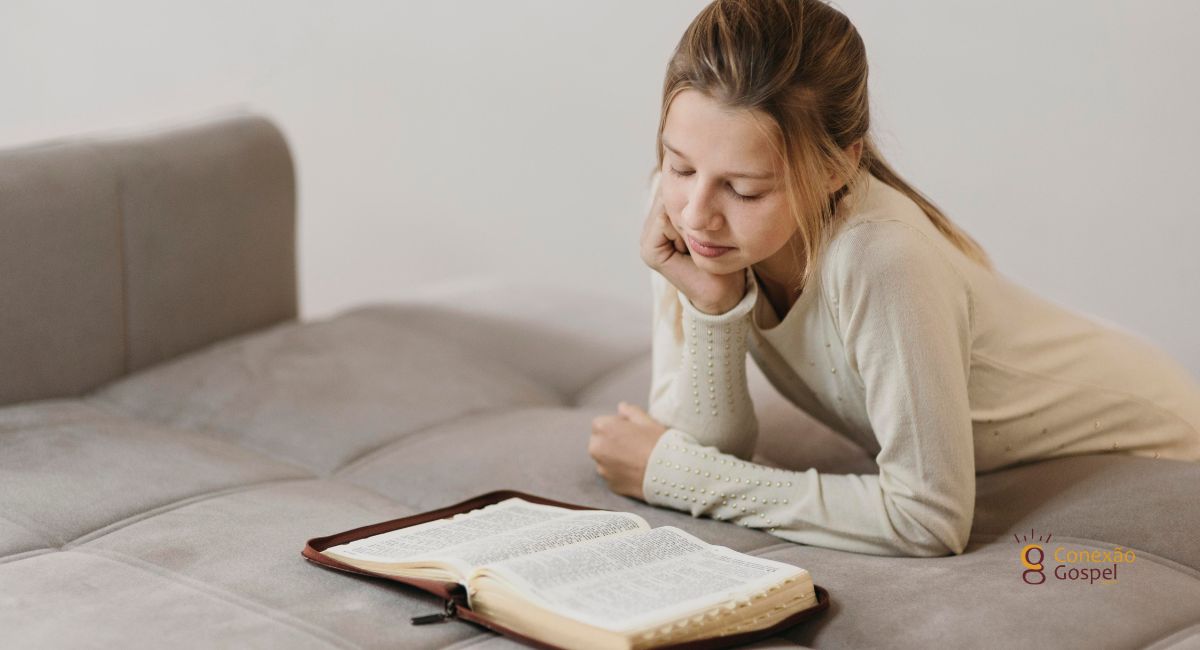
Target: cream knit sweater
column 935, row 365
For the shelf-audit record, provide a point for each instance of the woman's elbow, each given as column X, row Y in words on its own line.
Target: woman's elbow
column 938, row 548
column 933, row 537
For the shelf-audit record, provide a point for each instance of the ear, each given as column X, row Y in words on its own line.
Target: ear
column 855, row 153
column 856, row 150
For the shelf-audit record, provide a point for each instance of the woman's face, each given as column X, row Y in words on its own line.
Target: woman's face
column 719, row 184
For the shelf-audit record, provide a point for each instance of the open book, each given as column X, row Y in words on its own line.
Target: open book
column 588, row 578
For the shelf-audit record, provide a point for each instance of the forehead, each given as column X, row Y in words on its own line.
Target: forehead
column 702, row 129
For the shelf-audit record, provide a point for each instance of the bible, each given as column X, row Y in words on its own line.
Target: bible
column 558, row 575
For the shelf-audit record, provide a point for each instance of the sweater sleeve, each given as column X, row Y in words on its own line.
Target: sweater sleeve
column 904, row 314
column 698, row 384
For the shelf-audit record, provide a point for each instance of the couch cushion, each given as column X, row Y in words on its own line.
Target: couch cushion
column 121, row 250
column 77, row 599
column 69, row 470
column 209, row 233
column 322, row 393
column 243, row 545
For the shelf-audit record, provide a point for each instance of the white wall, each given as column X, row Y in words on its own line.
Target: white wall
column 439, row 142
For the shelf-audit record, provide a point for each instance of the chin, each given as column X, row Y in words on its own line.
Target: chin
column 723, row 260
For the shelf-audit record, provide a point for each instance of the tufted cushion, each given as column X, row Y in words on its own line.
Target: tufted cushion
column 170, row 506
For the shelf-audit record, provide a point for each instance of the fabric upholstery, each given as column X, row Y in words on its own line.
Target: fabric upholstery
column 119, row 251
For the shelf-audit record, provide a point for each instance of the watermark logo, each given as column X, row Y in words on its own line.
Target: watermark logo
column 1099, row 566
column 1032, row 555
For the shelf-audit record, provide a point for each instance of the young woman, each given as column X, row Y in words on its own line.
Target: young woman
column 776, row 228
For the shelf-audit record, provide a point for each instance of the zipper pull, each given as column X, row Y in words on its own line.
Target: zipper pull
column 448, row 612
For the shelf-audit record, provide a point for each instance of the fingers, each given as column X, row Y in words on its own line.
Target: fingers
column 670, row 233
column 657, row 219
column 656, row 243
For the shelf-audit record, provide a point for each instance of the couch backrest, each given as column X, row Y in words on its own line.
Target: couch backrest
column 121, row 251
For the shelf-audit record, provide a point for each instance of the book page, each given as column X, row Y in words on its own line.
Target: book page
column 582, row 526
column 629, row 582
column 420, row 540
column 499, row 531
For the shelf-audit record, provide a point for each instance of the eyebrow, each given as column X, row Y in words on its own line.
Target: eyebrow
column 731, row 174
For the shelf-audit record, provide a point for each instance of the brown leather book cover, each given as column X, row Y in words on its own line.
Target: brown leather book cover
column 455, row 595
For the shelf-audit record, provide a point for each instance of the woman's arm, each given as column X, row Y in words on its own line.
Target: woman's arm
column 698, row 385
column 904, row 315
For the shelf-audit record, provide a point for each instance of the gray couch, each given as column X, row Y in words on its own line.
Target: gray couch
column 171, row 435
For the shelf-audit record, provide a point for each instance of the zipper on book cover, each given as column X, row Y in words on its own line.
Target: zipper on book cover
column 450, row 611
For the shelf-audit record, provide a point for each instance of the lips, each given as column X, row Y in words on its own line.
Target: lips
column 706, row 244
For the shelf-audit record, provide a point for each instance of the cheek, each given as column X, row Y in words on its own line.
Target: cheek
column 673, row 204
column 672, row 196
column 765, row 232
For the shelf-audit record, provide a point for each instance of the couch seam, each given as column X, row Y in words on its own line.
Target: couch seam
column 242, row 602
column 117, row 409
column 14, row 557
column 111, row 409
column 370, row 454
column 122, row 252
column 113, row 527
column 120, row 524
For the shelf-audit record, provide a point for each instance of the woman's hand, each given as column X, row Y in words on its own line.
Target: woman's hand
column 665, row 250
column 621, row 446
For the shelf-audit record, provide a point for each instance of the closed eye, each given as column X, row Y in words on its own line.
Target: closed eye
column 740, row 197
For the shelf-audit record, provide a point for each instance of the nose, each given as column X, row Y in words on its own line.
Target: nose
column 701, row 212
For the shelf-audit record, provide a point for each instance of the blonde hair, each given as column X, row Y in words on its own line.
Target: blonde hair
column 800, row 66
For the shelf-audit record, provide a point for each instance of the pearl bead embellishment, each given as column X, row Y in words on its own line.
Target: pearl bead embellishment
column 747, row 499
